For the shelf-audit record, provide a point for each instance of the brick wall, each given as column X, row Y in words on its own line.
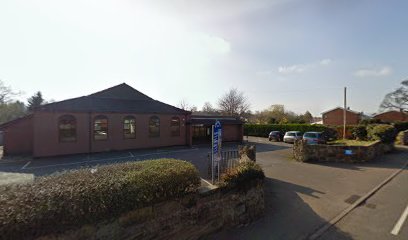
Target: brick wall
column 18, row 138
column 335, row 117
column 46, row 139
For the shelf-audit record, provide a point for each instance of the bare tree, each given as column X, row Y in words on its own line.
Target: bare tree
column 233, row 103
column 6, row 93
column 397, row 99
column 208, row 108
column 183, row 104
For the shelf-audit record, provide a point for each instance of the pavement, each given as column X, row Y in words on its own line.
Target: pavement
column 300, row 198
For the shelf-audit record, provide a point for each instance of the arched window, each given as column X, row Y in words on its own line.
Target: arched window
column 175, row 127
column 100, row 128
column 154, row 126
column 129, row 127
column 67, row 128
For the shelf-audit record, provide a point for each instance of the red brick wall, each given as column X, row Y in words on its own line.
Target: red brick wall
column 46, row 142
column 392, row 116
column 232, row 133
column 335, row 117
column 18, row 137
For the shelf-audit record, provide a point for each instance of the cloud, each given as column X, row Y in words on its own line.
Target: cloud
column 373, row 72
column 326, row 61
column 292, row 69
column 300, row 68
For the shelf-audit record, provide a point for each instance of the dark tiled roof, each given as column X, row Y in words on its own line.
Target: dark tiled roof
column 348, row 110
column 12, row 122
column 210, row 120
column 118, row 99
column 121, row 91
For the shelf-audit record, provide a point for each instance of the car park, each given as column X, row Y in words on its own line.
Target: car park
column 276, row 136
column 292, row 136
column 314, row 138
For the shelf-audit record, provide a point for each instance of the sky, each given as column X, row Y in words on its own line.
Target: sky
column 297, row 53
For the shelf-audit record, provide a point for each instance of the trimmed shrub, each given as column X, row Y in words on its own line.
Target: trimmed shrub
column 359, row 132
column 243, row 174
column 58, row 203
column 370, row 121
column 383, row 132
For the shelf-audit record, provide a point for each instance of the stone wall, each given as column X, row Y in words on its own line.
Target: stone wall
column 189, row 218
column 338, row 153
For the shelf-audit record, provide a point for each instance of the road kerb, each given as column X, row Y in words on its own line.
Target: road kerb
column 346, row 211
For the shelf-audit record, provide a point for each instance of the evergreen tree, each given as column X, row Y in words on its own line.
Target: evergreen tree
column 35, row 101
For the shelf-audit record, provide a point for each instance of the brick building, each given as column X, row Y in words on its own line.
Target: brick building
column 334, row 117
column 392, row 116
column 117, row 118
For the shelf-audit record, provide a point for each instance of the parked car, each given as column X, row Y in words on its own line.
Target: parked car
column 276, row 136
column 291, row 136
column 314, row 138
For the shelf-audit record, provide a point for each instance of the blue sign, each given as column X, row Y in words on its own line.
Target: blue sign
column 348, row 152
column 217, row 140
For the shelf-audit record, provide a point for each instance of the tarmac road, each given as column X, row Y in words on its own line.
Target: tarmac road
column 302, row 197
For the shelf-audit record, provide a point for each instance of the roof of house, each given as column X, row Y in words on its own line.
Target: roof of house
column 348, row 110
column 391, row 111
column 118, row 99
column 11, row 122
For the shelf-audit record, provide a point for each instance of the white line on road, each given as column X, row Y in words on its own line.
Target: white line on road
column 109, row 159
column 28, row 163
column 400, row 222
column 357, row 203
column 131, row 154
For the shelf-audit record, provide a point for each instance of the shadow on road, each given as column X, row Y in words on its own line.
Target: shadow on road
column 287, row 216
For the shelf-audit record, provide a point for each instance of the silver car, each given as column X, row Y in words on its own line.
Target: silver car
column 291, row 136
column 314, row 138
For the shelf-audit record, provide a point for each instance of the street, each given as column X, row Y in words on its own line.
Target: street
column 302, row 197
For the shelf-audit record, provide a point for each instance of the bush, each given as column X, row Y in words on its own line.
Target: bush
column 383, row 132
column 330, row 134
column 401, row 126
column 370, row 121
column 400, row 138
column 243, row 174
column 359, row 132
column 59, row 203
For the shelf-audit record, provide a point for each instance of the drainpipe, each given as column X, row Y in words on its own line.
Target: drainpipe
column 90, row 133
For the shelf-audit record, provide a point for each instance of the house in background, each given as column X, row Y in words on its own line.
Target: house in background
column 392, row 116
column 334, row 117
column 117, row 118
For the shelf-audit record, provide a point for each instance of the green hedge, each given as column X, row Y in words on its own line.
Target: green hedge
column 263, row 130
column 242, row 175
column 58, row 203
column 383, row 132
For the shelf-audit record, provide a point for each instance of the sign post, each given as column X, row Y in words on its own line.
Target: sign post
column 216, row 148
